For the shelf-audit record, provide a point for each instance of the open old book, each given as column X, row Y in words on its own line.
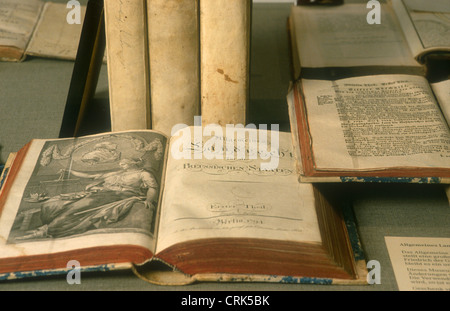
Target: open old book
column 372, row 128
column 338, row 41
column 370, row 101
column 139, row 200
column 34, row 27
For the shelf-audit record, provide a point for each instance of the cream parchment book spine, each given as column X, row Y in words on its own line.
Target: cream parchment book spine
column 127, row 61
column 225, row 58
column 174, row 62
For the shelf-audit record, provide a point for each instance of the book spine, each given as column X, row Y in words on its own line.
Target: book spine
column 127, row 61
column 225, row 60
column 174, row 62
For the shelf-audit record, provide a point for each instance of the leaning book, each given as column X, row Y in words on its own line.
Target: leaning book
column 174, row 210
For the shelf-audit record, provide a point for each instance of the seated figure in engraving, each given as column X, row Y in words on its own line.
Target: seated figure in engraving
column 106, row 200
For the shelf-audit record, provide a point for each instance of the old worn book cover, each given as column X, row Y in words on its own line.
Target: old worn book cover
column 38, row 28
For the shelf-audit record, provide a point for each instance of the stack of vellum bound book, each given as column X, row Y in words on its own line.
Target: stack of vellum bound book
column 170, row 60
column 172, row 211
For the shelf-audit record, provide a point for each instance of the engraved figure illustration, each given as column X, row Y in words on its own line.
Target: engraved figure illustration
column 105, row 184
column 103, row 152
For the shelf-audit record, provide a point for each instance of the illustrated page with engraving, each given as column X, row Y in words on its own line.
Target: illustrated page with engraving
column 375, row 122
column 220, row 198
column 100, row 190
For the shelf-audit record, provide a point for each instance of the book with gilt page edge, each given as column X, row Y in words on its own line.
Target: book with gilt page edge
column 139, row 200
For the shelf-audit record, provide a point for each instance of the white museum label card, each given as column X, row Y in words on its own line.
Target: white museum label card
column 420, row 264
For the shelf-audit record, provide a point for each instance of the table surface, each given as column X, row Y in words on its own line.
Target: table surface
column 33, row 95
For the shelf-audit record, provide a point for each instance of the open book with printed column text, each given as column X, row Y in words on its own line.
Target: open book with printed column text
column 372, row 128
column 370, row 100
